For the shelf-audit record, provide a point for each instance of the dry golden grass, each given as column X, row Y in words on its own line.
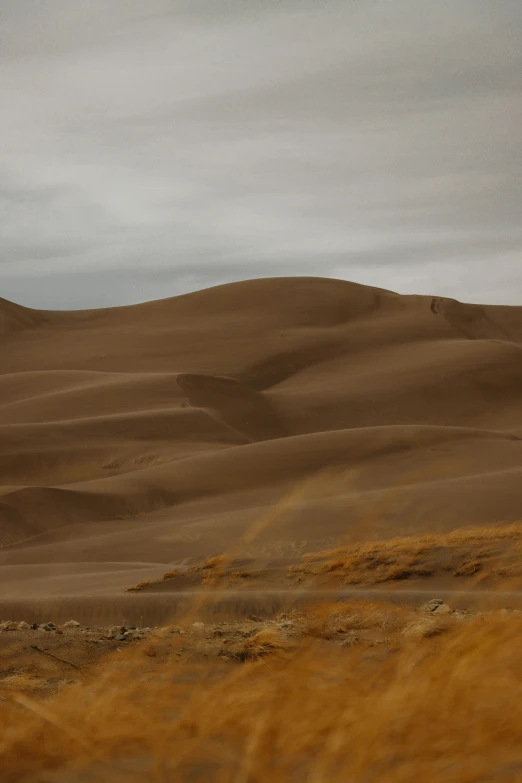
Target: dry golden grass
column 212, row 570
column 171, row 575
column 481, row 553
column 422, row 707
column 215, row 570
column 267, row 641
column 329, row 621
column 476, row 554
column 141, row 586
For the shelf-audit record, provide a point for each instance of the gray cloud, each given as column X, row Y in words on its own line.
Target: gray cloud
column 147, row 153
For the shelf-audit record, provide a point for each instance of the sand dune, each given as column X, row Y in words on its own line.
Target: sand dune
column 141, row 437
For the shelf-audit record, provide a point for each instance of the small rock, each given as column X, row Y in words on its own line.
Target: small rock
column 254, row 618
column 23, row 626
column 286, row 626
column 432, row 605
column 8, row 625
column 442, row 609
column 116, row 629
column 34, row 627
column 59, row 631
column 120, row 637
column 71, row 624
column 48, row 627
column 198, row 626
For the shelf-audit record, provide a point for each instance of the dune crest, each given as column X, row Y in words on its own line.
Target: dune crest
column 14, row 318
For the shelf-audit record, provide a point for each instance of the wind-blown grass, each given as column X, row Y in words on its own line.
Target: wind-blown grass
column 438, row 709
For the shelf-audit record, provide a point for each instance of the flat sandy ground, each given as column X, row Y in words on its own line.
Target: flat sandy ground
column 268, row 418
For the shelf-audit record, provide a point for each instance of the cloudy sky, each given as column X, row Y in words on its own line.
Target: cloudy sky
column 152, row 148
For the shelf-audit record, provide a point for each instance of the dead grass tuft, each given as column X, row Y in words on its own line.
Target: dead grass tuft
column 332, row 621
column 461, row 552
column 267, row 641
column 140, row 586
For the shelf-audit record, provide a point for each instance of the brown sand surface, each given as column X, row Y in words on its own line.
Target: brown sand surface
column 274, row 417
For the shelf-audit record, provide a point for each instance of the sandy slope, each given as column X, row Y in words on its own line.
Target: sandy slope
column 300, row 410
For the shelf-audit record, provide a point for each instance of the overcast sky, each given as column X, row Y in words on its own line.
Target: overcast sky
column 149, row 148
